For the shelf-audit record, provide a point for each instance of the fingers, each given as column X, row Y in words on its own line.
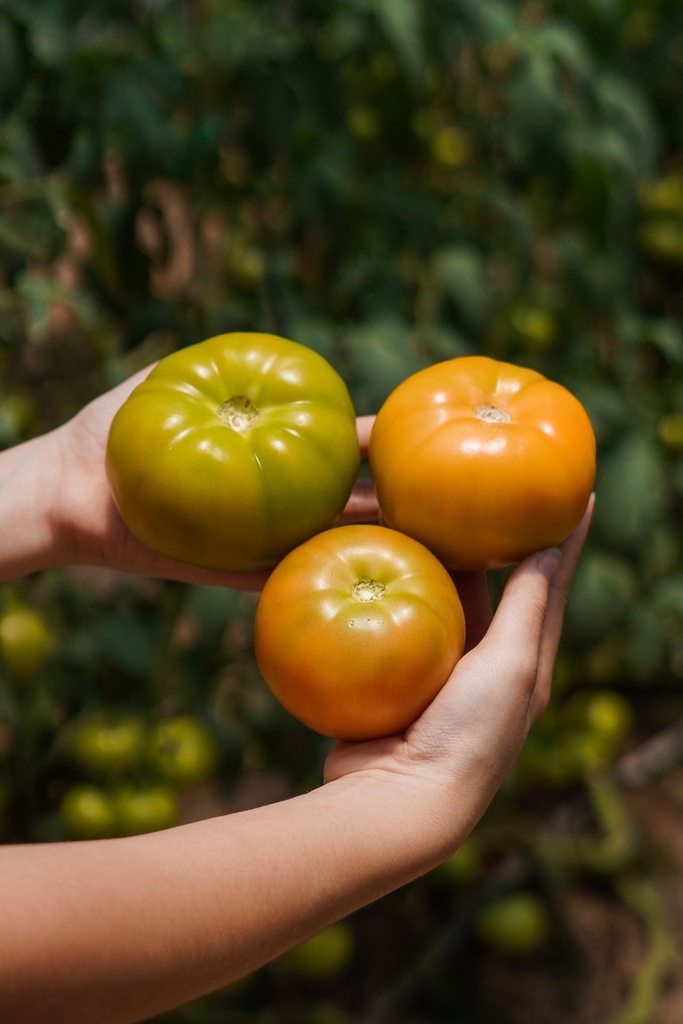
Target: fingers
column 362, row 505
column 557, row 601
column 473, row 590
column 528, row 622
column 363, row 430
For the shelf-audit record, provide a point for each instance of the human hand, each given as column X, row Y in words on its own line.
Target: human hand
column 89, row 526
column 460, row 749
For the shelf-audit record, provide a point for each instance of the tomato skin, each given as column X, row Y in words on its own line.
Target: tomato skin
column 354, row 667
column 482, row 461
column 233, row 451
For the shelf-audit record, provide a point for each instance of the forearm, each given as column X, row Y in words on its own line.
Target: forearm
column 119, row 930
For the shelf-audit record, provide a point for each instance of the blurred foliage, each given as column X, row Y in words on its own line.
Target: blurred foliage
column 392, row 182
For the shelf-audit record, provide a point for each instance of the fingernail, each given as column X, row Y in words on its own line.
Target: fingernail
column 549, row 562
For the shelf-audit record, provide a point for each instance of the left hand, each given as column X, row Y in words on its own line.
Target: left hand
column 89, row 526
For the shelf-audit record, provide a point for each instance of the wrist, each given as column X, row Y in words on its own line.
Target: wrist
column 30, row 489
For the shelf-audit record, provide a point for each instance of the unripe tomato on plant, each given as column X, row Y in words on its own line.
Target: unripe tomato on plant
column 357, row 630
column 107, row 742
column 517, row 924
column 26, row 641
column 183, row 751
column 482, row 461
column 149, row 808
column 233, row 451
column 323, row 956
column 88, row 812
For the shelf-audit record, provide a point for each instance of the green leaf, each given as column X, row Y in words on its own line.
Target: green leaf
column 381, row 353
column 402, row 24
column 631, row 492
column 462, row 273
column 602, row 590
column 127, row 644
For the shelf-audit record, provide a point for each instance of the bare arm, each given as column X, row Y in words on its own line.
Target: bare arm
column 118, row 930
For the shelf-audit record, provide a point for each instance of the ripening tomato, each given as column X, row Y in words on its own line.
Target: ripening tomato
column 482, row 461
column 357, row 630
column 233, row 451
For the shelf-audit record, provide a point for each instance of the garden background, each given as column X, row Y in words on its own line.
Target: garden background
column 391, row 182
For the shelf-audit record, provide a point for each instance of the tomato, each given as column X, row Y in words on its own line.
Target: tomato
column 451, row 146
column 670, row 431
column 87, row 812
column 662, row 239
column 323, row 955
column 517, row 923
column 183, row 751
column 107, row 742
column 141, row 809
column 463, row 866
column 357, row 630
column 233, row 451
column 26, row 642
column 482, row 461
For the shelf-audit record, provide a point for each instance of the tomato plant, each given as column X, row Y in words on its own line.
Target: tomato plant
column 357, row 630
column 233, row 451
column 183, row 751
column 482, row 461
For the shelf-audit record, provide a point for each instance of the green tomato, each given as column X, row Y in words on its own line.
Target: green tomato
column 515, row 924
column 107, row 742
column 183, row 751
column 323, row 956
column 535, row 327
column 88, row 812
column 463, row 866
column 664, row 196
column 234, row 451
column 141, row 809
column 26, row 641
column 450, row 146
column 670, row 431
column 663, row 239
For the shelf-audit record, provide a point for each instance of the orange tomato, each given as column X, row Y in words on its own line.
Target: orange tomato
column 357, row 630
column 481, row 461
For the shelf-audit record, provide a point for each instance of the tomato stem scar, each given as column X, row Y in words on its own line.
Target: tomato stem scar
column 368, row 590
column 239, row 413
column 491, row 414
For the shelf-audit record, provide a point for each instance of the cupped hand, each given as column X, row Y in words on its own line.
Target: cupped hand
column 89, row 527
column 468, row 738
